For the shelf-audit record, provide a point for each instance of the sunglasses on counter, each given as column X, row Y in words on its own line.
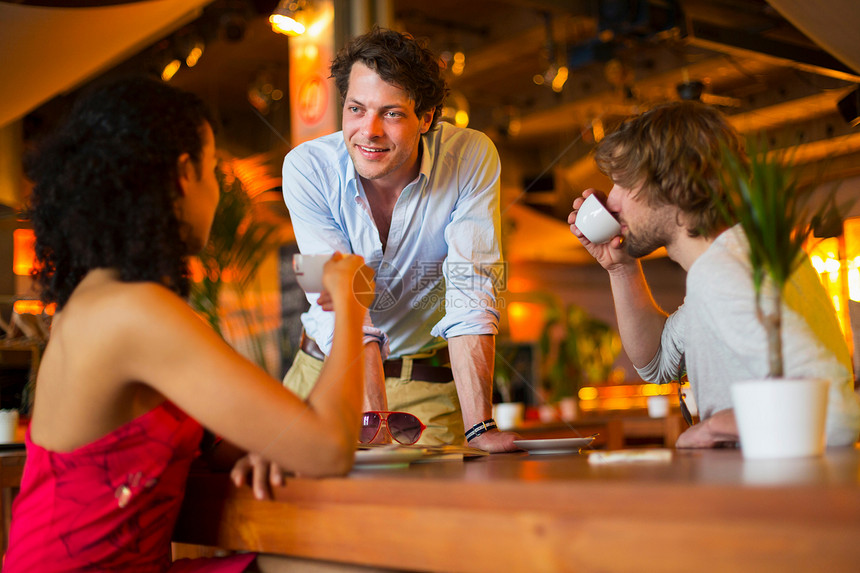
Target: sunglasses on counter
column 403, row 427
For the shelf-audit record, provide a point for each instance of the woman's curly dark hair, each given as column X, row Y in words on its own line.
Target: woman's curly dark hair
column 400, row 60
column 105, row 185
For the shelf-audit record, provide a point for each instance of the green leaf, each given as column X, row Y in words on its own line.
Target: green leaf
column 239, row 243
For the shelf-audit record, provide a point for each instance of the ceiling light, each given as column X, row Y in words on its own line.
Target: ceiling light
column 459, row 63
column 559, row 79
column 194, row 53
column 556, row 73
column 555, row 77
column 288, row 17
column 453, row 60
column 170, row 69
column 597, row 129
column 456, row 109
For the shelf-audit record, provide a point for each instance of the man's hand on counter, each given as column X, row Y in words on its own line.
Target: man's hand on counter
column 719, row 429
column 495, row 442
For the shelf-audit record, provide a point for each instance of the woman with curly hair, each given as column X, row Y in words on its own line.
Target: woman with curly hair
column 122, row 194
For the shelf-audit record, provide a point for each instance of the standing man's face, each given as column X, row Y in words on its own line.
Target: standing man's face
column 380, row 128
column 644, row 228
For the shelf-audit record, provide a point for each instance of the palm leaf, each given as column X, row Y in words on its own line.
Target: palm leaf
column 239, row 243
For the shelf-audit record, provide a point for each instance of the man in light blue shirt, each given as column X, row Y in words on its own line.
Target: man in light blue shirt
column 419, row 200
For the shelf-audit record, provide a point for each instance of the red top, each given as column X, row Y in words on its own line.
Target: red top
column 109, row 505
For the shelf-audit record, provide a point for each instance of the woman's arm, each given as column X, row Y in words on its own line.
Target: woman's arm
column 169, row 348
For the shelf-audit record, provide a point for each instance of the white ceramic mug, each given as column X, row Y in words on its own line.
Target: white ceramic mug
column 658, row 406
column 8, row 426
column 309, row 271
column 595, row 221
column 508, row 415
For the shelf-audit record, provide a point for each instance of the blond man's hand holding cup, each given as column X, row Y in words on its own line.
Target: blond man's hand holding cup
column 598, row 229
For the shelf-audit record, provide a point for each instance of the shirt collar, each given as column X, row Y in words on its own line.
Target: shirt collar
column 426, row 158
column 352, row 176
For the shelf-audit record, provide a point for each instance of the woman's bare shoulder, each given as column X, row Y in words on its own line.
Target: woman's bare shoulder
column 105, row 308
column 91, row 375
column 122, row 332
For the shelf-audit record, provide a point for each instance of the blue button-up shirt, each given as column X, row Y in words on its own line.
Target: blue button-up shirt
column 442, row 266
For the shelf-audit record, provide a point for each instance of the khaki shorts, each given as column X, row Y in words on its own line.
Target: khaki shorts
column 435, row 404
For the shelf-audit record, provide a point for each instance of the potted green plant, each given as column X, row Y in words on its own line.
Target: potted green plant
column 584, row 354
column 777, row 216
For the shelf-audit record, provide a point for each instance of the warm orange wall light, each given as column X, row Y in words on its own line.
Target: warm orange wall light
column 526, row 320
column 26, row 306
column 24, row 253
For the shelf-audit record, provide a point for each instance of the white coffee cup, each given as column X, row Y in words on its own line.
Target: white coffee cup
column 8, row 426
column 508, row 415
column 309, row 271
column 658, row 406
column 595, row 221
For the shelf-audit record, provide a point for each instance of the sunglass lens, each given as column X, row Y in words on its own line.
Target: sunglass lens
column 369, row 427
column 405, row 428
column 685, row 411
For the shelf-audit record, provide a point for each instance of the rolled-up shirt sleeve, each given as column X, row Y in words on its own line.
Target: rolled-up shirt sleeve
column 473, row 270
column 667, row 363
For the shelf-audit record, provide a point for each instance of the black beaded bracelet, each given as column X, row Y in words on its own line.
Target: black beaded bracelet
column 480, row 428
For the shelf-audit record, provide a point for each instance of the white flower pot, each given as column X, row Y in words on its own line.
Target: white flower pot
column 781, row 418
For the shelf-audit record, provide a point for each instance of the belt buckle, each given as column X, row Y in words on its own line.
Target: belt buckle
column 432, row 358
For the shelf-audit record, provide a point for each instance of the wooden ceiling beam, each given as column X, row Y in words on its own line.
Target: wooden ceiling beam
column 658, row 87
column 789, row 112
column 745, row 44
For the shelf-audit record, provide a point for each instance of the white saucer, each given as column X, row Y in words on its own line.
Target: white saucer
column 554, row 446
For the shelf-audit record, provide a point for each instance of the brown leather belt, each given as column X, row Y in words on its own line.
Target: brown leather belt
column 429, row 369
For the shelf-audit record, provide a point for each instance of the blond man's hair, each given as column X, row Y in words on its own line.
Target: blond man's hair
column 671, row 156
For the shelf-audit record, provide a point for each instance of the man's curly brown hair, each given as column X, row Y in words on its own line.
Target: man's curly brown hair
column 400, row 60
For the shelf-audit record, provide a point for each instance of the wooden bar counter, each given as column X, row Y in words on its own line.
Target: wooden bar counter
column 703, row 510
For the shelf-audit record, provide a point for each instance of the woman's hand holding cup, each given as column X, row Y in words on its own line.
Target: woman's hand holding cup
column 346, row 277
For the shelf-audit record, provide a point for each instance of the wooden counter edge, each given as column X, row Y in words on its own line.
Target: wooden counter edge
column 452, row 527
